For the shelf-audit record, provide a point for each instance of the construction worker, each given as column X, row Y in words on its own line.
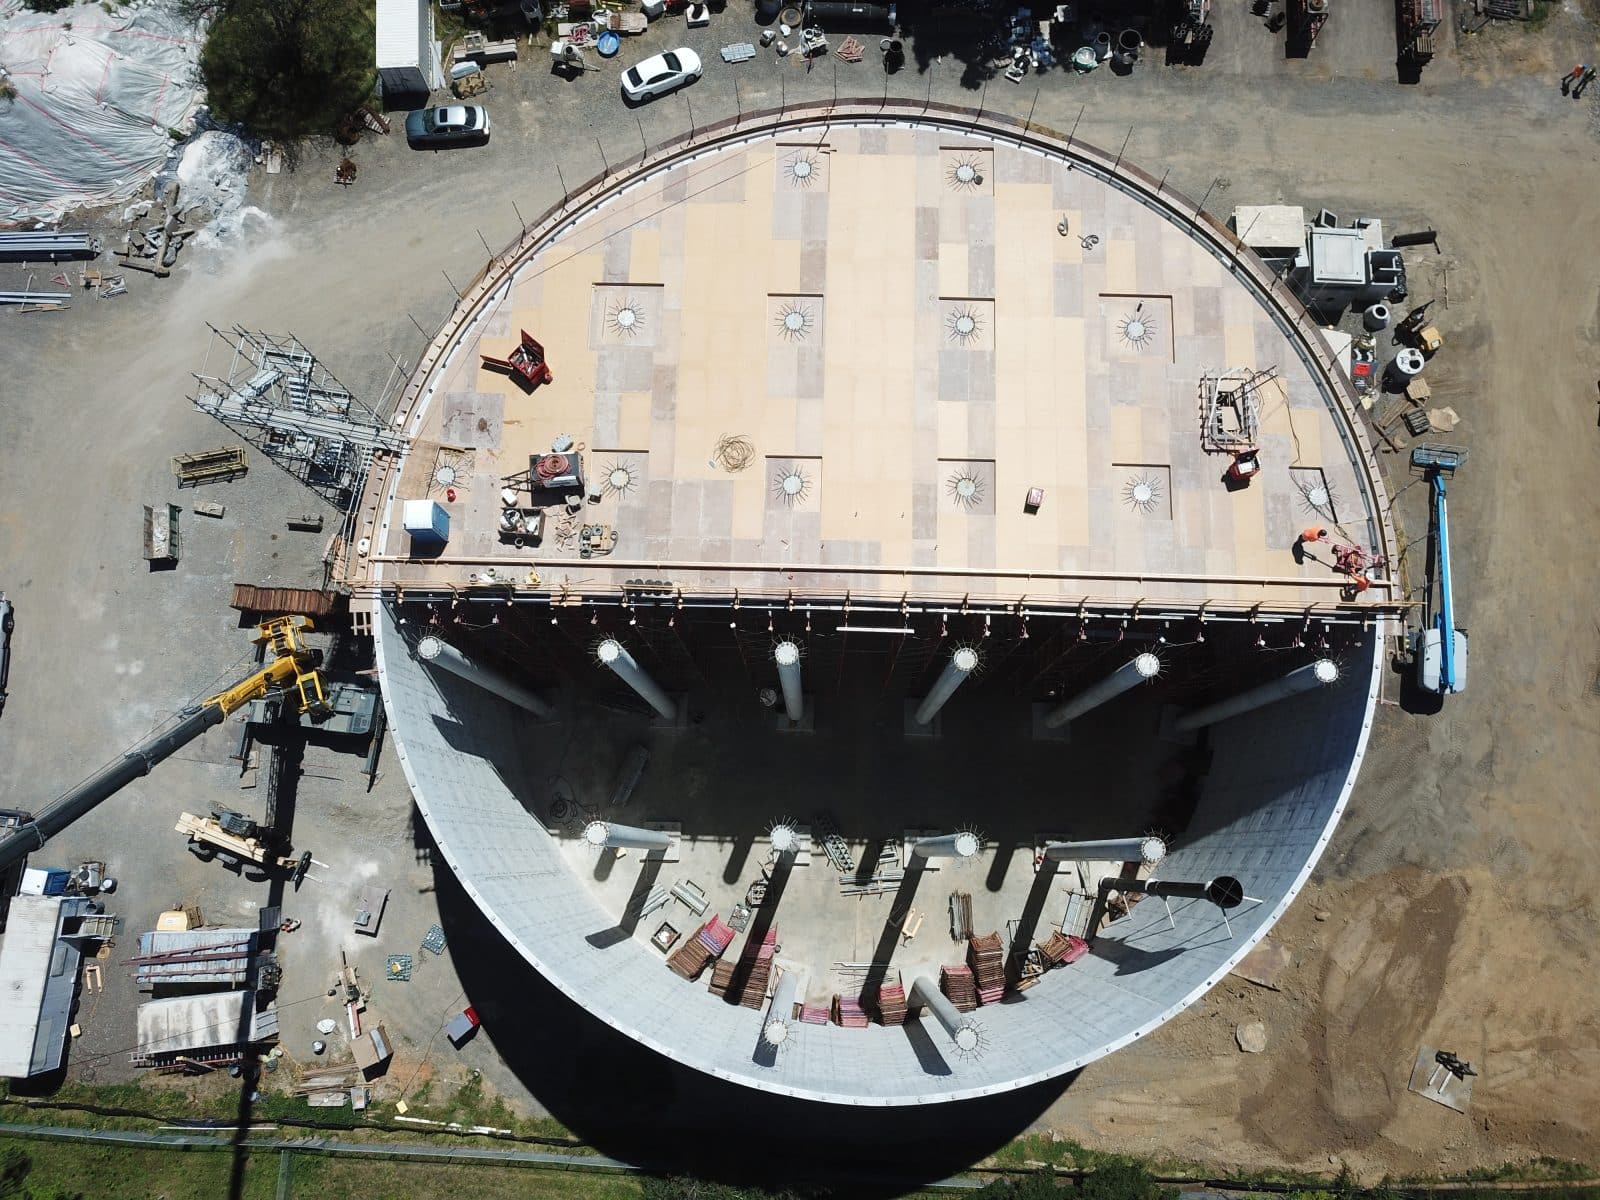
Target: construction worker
column 1571, row 77
column 1588, row 78
column 1307, row 537
column 1357, row 585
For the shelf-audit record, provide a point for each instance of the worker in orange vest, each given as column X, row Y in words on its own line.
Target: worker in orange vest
column 1571, row 77
column 1357, row 585
column 1307, row 537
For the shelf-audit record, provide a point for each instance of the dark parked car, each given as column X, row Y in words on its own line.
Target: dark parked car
column 447, row 125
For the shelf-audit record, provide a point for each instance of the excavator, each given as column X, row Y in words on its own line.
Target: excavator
column 292, row 670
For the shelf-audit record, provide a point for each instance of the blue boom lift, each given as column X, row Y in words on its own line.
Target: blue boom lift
column 1440, row 648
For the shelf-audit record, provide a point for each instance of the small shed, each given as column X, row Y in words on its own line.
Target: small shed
column 213, row 1028
column 408, row 53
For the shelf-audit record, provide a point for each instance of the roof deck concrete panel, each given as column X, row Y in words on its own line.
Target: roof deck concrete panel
column 918, row 309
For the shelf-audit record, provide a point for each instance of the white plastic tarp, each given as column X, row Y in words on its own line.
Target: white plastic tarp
column 96, row 96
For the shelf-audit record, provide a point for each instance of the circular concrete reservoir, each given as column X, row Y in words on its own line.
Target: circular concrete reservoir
column 908, row 636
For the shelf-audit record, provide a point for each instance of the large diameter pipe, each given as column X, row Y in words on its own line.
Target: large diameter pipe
column 776, row 1030
column 107, row 781
column 951, row 845
column 614, row 655
column 784, row 839
column 439, row 653
column 1302, row 679
column 963, row 1030
column 608, row 836
column 956, row 672
column 787, row 655
column 1148, row 850
column 1141, row 669
column 1224, row 891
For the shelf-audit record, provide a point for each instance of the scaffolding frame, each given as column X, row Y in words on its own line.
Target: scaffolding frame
column 280, row 397
column 1236, row 391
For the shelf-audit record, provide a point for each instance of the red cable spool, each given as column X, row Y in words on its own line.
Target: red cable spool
column 552, row 466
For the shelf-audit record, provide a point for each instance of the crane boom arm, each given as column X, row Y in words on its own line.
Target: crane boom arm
column 293, row 664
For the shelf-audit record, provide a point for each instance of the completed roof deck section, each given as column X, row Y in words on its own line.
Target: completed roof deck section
column 837, row 359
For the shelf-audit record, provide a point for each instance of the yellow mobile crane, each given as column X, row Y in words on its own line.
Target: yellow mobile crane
column 292, row 665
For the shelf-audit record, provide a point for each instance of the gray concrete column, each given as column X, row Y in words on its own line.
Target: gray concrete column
column 963, row 1030
column 1148, row 850
column 962, row 663
column 776, row 1031
column 614, row 655
column 1303, row 679
column 1140, row 669
column 951, row 845
column 605, row 835
column 787, row 655
column 785, row 840
column 439, row 653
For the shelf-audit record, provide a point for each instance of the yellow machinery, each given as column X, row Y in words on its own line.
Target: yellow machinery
column 292, row 664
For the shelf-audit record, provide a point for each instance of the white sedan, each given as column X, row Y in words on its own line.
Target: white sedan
column 660, row 74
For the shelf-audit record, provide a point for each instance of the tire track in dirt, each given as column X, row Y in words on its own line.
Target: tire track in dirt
column 1382, row 984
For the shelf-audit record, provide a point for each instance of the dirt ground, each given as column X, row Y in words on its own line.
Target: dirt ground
column 1456, row 906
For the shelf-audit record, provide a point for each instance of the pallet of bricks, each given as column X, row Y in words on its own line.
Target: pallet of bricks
column 745, row 982
column 986, row 958
column 957, row 984
column 708, row 942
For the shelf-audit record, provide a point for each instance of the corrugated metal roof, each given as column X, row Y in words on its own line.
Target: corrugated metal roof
column 401, row 28
column 237, row 945
column 192, row 1023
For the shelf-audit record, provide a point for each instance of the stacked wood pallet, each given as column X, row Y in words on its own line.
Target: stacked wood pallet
column 957, row 985
column 813, row 1014
column 986, row 957
column 1063, row 948
column 708, row 942
column 891, row 1003
column 752, row 972
column 849, row 1013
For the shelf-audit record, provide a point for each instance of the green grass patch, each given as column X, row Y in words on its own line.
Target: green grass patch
column 69, row 1169
column 329, row 1178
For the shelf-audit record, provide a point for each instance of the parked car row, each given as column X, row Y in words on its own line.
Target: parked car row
column 459, row 124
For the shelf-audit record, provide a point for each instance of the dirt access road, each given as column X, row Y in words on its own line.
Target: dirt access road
column 1459, row 896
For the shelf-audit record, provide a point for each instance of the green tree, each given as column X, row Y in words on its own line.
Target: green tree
column 1114, row 1179
column 288, row 68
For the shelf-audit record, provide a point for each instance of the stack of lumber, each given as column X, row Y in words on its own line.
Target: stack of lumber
column 986, row 957
column 957, row 985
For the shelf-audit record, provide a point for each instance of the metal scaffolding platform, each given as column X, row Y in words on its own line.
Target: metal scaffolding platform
column 277, row 394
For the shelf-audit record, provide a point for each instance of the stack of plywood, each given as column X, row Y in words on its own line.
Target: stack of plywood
column 986, row 957
column 813, row 1014
column 756, row 966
